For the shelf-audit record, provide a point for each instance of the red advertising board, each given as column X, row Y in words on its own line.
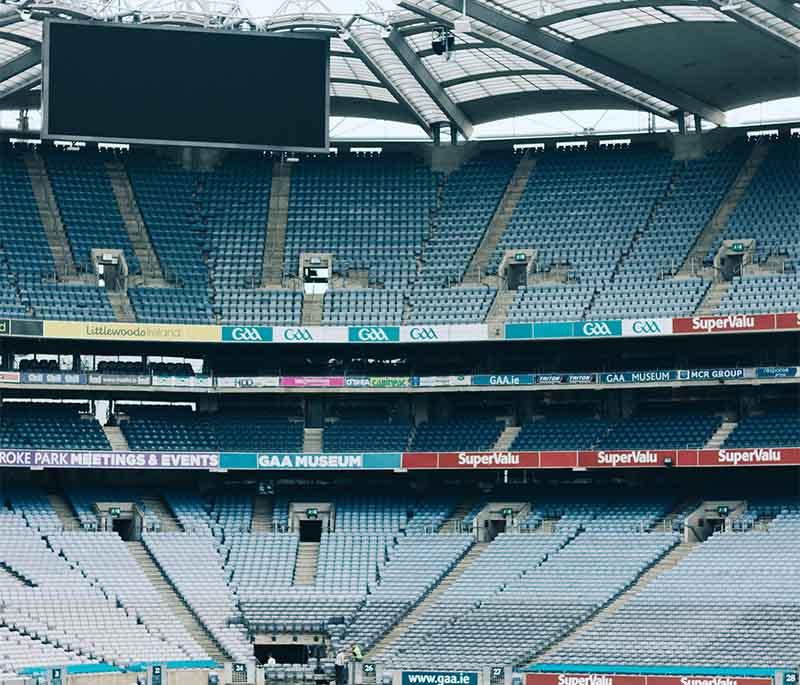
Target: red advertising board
column 489, row 460
column 705, row 680
column 559, row 460
column 749, row 456
column 420, row 460
column 603, row 459
column 618, row 679
column 583, row 679
column 787, row 320
column 731, row 323
column 625, row 458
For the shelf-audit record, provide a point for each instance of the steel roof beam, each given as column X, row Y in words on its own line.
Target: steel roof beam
column 359, row 51
column 21, row 40
column 9, row 18
column 574, row 13
column 356, row 82
column 29, row 58
column 487, row 75
column 490, row 42
column 783, row 9
column 771, row 32
column 463, row 47
column 577, row 53
column 588, row 11
column 19, row 98
column 414, row 64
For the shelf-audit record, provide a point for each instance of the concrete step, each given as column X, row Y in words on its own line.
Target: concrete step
column 133, row 220
column 116, row 438
column 711, row 300
column 671, row 559
column 262, row 514
column 50, row 216
column 498, row 312
column 665, row 523
column 305, row 568
column 312, row 310
column 454, row 523
column 169, row 523
column 507, row 438
column 719, row 222
column 65, row 512
column 174, row 601
column 123, row 309
column 500, row 220
column 721, row 435
column 312, row 440
column 277, row 216
column 426, row 604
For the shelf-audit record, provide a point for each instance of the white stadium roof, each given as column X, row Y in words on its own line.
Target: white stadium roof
column 673, row 59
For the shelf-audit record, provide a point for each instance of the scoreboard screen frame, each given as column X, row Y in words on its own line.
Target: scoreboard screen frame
column 48, row 134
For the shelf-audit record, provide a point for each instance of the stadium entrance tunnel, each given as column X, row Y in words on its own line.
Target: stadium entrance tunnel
column 124, row 528
column 712, row 517
column 517, row 276
column 288, row 648
column 308, row 519
column 310, row 531
column 127, row 519
column 495, row 527
column 283, row 654
column 497, row 517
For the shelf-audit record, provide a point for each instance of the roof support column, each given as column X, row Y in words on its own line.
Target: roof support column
column 783, row 9
column 414, row 64
column 681, row 122
column 578, row 54
column 436, row 131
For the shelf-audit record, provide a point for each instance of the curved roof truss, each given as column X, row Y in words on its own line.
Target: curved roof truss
column 519, row 56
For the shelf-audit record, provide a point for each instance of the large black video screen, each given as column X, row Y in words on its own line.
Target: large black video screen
column 165, row 85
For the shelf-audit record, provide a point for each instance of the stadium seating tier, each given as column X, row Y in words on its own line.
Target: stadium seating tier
column 410, row 232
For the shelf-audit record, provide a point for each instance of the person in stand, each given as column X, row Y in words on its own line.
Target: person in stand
column 271, row 660
column 358, row 655
column 340, row 665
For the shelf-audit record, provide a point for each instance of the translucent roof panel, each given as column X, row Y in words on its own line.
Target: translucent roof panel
column 503, row 85
column 10, row 51
column 698, row 13
column 27, row 29
column 527, row 10
column 351, row 68
column 618, row 20
column 24, row 79
column 363, row 92
column 770, row 22
column 369, row 64
column 465, row 63
column 338, row 45
column 519, row 9
column 550, row 59
column 374, row 46
column 421, row 40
